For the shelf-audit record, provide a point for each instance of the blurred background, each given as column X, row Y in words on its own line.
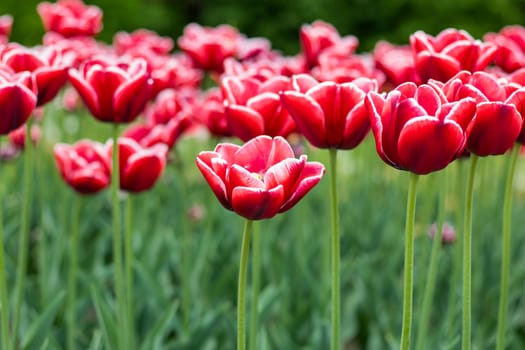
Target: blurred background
column 279, row 21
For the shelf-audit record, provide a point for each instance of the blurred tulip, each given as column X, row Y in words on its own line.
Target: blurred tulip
column 139, row 167
column 510, row 42
column 448, row 233
column 85, row 166
column 211, row 113
column 416, row 129
column 113, row 92
column 17, row 100
column 396, row 62
column 259, row 179
column 17, row 137
column 169, row 103
column 328, row 114
column 6, row 23
column 70, row 18
column 149, row 134
column 451, row 51
column 142, row 39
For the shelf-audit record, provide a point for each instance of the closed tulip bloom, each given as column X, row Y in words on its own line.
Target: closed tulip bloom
column 70, row 18
column 451, row 51
column 416, row 129
column 84, row 166
column 139, row 167
column 498, row 121
column 17, row 99
column 113, row 92
column 328, row 114
column 259, row 179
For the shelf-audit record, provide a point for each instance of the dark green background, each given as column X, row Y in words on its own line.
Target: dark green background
column 279, row 20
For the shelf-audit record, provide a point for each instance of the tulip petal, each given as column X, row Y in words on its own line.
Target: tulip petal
column 260, row 153
column 142, row 170
column 216, row 183
column 436, row 66
column 285, row 173
column 357, row 127
column 256, row 203
column 244, row 122
column 17, row 103
column 85, row 91
column 311, row 175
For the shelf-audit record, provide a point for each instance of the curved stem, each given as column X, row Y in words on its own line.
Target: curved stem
column 505, row 249
column 467, row 258
column 128, row 268
column 23, row 243
column 335, row 254
column 117, row 244
column 408, row 285
column 256, row 281
column 241, row 304
column 72, row 276
column 432, row 268
column 4, row 304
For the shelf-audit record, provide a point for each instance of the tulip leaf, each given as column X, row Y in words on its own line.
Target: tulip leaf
column 105, row 318
column 159, row 330
column 40, row 327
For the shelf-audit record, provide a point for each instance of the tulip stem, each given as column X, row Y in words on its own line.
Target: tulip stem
column 117, row 244
column 467, row 258
column 241, row 305
column 408, row 285
column 432, row 267
column 4, row 306
column 505, row 249
column 128, row 267
column 72, row 276
column 23, row 243
column 256, row 281
column 335, row 254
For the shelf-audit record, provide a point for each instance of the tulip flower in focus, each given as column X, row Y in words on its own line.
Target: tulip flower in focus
column 85, row 166
column 114, row 92
column 259, row 179
column 139, row 167
column 70, row 18
column 328, row 114
column 416, row 129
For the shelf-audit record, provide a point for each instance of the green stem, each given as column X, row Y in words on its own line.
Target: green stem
column 23, row 243
column 128, row 267
column 256, row 281
column 241, row 307
column 117, row 244
column 432, row 268
column 408, row 285
column 467, row 258
column 4, row 307
column 335, row 254
column 72, row 276
column 505, row 249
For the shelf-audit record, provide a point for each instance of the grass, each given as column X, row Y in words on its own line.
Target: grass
column 182, row 262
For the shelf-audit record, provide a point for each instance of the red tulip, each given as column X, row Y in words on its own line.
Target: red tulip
column 139, row 167
column 209, row 47
column 17, row 100
column 397, row 62
column 6, row 23
column 70, row 18
column 143, row 39
column 254, row 108
column 510, row 53
column 498, row 120
column 259, row 179
column 113, row 92
column 169, row 103
column 17, row 137
column 211, row 113
column 328, row 114
column 85, row 166
column 148, row 135
column 416, row 129
column 451, row 51
column 47, row 66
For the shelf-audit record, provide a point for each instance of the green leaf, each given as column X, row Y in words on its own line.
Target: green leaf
column 155, row 336
column 105, row 318
column 39, row 329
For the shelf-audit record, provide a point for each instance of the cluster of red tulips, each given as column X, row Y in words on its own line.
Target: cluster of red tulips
column 428, row 103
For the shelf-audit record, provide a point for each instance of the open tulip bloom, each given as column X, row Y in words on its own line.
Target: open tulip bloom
column 257, row 181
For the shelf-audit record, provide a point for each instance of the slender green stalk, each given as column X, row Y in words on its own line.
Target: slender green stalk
column 335, row 254
column 72, row 275
column 4, row 307
column 432, row 268
column 128, row 268
column 117, row 245
column 23, row 243
column 408, row 285
column 505, row 249
column 466, row 340
column 241, row 297
column 256, row 281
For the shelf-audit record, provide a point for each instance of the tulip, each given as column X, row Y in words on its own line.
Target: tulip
column 150, row 134
column 17, row 100
column 114, row 93
column 259, row 179
column 17, row 137
column 510, row 53
column 328, row 114
column 70, row 18
column 396, row 62
column 84, row 166
column 144, row 39
column 6, row 23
